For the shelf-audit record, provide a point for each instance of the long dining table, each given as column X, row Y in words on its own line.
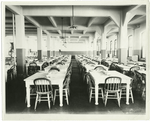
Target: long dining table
column 100, row 79
column 56, row 79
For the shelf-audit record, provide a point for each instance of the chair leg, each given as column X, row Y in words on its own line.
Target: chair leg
column 67, row 97
column 102, row 94
column 90, row 95
column 68, row 91
column 106, row 96
column 131, row 96
column 54, row 97
column 36, row 100
column 48, row 99
column 120, row 95
column 118, row 98
column 51, row 96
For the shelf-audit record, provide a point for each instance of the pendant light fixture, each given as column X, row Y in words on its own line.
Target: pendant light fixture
column 62, row 37
column 73, row 27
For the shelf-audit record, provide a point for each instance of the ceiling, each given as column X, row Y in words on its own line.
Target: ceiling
column 53, row 19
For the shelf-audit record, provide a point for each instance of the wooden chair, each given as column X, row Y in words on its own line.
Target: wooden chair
column 43, row 87
column 123, row 89
column 144, row 87
column 32, row 68
column 134, row 68
column 11, row 74
column 140, row 83
column 112, row 66
column 91, row 88
column 66, row 90
column 119, row 69
column 45, row 64
column 99, row 68
column 112, row 88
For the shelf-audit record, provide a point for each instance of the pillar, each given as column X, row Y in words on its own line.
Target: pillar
column 95, row 48
column 91, row 47
column 117, row 45
column 20, row 44
column 87, row 49
column 123, row 43
column 103, row 46
column 48, row 46
column 98, row 47
column 39, row 43
column 54, row 54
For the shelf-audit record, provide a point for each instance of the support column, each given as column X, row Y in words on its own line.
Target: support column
column 20, row 46
column 87, row 49
column 39, row 43
column 98, row 47
column 103, row 46
column 123, row 44
column 94, row 47
column 51, row 46
column 117, row 45
column 48, row 46
column 91, row 47
column 54, row 53
column 57, row 47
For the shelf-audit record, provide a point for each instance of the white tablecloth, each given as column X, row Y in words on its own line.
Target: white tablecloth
column 100, row 79
column 55, row 80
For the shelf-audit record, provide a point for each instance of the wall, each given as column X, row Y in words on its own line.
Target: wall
column 74, row 49
column 137, row 39
column 111, row 38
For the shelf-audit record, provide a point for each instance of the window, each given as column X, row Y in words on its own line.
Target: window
column 111, row 47
column 143, row 44
column 115, row 47
column 130, row 45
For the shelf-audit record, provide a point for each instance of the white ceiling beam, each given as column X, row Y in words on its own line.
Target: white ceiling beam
column 107, row 22
column 71, row 21
column 46, row 32
column 59, row 32
column 29, row 26
column 80, row 11
column 10, row 21
column 112, row 31
column 84, row 31
column 137, row 18
column 33, row 21
column 72, row 31
column 90, row 21
column 67, row 28
column 52, row 20
column 131, row 8
column 15, row 9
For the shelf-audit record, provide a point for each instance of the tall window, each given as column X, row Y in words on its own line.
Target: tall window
column 130, row 45
column 115, row 47
column 143, row 44
column 111, row 47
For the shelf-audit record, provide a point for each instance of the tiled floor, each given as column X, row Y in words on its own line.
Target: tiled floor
column 15, row 101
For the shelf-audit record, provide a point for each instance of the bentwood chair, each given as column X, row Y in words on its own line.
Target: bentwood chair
column 66, row 90
column 44, row 91
column 112, row 88
column 91, row 88
column 99, row 68
column 45, row 64
column 112, row 66
column 123, row 89
column 32, row 68
column 11, row 74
